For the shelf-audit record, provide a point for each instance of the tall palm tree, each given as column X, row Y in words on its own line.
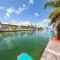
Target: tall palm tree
column 56, row 5
column 52, row 3
column 55, row 14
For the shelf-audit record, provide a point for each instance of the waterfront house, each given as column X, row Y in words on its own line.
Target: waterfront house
column 8, row 27
column 13, row 27
column 27, row 27
column 1, row 27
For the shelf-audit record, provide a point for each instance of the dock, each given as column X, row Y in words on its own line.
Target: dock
column 52, row 51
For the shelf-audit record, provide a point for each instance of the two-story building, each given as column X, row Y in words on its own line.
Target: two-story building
column 8, row 27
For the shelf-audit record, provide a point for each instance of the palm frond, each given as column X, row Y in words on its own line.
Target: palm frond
column 55, row 13
column 53, row 3
column 49, row 4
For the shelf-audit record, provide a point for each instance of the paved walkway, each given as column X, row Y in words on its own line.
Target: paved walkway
column 52, row 51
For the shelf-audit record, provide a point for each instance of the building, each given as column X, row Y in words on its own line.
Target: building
column 8, row 27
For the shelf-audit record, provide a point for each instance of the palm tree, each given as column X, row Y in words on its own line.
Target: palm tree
column 55, row 14
column 52, row 3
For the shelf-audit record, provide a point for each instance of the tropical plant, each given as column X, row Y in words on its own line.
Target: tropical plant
column 52, row 3
column 55, row 14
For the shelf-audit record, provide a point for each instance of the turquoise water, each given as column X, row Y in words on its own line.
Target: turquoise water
column 13, row 44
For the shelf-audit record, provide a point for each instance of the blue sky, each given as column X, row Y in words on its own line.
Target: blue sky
column 23, row 11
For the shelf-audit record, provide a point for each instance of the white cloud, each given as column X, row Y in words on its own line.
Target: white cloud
column 10, row 10
column 44, row 23
column 23, row 5
column 31, row 1
column 7, row 15
column 4, row 22
column 15, row 22
column 2, row 8
column 25, row 23
column 36, row 14
column 21, row 9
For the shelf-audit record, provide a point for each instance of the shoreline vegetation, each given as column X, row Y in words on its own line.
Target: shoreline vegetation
column 17, row 28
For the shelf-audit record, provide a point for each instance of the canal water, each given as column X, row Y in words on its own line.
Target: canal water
column 13, row 44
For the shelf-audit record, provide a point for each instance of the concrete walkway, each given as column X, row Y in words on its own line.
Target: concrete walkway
column 52, row 51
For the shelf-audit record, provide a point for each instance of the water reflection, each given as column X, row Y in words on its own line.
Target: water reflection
column 21, row 33
column 14, row 43
column 4, row 35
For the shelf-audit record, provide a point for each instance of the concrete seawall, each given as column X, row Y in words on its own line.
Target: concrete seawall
column 52, row 51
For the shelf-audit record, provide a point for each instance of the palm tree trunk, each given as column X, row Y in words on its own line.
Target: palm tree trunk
column 58, row 31
column 58, row 35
